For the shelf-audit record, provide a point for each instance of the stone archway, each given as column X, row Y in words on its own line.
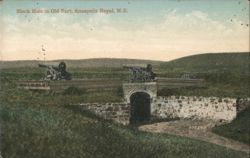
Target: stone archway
column 140, row 107
column 140, row 97
column 147, row 87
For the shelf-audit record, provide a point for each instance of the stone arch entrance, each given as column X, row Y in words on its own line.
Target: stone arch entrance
column 140, row 107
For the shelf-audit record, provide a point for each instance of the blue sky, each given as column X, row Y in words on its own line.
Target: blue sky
column 219, row 9
column 150, row 30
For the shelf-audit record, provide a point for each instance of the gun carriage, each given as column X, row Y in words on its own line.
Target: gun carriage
column 141, row 74
column 56, row 73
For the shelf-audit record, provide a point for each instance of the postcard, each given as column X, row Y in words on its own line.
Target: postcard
column 124, row 78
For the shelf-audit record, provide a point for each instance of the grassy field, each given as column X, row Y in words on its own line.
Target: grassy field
column 40, row 124
column 57, row 131
column 238, row 129
column 226, row 74
column 237, row 63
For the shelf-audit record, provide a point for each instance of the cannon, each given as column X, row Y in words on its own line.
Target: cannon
column 141, row 74
column 56, row 73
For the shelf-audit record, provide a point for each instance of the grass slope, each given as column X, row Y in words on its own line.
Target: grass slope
column 210, row 63
column 238, row 129
column 226, row 74
column 40, row 131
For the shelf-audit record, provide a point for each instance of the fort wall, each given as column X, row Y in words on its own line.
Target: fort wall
column 172, row 107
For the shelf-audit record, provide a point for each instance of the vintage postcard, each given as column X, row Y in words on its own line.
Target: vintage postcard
column 124, row 79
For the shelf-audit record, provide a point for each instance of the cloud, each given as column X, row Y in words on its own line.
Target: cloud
column 100, row 35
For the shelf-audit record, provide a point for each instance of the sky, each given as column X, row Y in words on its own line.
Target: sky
column 144, row 29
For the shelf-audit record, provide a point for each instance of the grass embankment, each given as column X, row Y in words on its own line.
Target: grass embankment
column 42, row 131
column 237, row 63
column 225, row 74
column 238, row 129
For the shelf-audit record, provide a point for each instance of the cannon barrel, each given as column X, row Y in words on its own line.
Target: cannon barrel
column 127, row 67
column 48, row 66
column 138, row 66
column 134, row 66
column 43, row 65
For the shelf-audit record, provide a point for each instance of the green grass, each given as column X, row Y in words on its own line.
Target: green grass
column 217, row 84
column 211, row 89
column 51, row 98
column 210, row 63
column 225, row 74
column 238, row 129
column 41, row 131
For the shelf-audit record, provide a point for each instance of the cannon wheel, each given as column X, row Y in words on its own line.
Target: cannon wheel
column 62, row 66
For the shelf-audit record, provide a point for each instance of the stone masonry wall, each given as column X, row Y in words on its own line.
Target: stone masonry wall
column 242, row 104
column 117, row 112
column 192, row 107
column 218, row 109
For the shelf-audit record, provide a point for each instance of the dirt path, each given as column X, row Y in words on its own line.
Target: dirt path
column 195, row 129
